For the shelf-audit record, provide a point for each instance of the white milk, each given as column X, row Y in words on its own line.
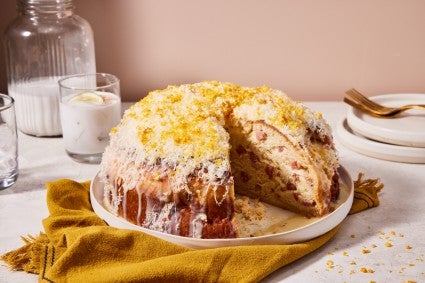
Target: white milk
column 86, row 126
column 37, row 106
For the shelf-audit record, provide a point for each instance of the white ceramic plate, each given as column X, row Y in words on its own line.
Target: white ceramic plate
column 312, row 229
column 377, row 149
column 408, row 129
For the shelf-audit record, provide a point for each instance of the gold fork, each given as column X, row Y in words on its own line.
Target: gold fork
column 356, row 99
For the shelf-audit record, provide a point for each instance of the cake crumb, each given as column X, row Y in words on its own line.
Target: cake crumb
column 330, row 264
column 345, row 253
column 374, row 246
column 366, row 270
column 353, row 262
column 353, row 236
column 402, row 270
column 388, row 244
column 408, row 247
column 365, row 251
column 251, row 209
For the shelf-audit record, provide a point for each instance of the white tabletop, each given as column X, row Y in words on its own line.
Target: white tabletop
column 384, row 244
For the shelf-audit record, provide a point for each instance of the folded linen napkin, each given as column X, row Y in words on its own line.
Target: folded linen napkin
column 78, row 246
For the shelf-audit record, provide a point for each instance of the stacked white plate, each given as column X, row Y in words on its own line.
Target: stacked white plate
column 400, row 139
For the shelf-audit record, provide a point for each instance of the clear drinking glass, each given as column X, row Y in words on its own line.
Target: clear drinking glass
column 90, row 106
column 44, row 43
column 8, row 143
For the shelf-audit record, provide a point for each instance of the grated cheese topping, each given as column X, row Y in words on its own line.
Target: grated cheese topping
column 181, row 129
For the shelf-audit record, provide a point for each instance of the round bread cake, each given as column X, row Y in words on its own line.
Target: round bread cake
column 180, row 155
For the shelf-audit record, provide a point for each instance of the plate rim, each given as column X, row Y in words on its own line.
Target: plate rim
column 357, row 124
column 376, row 149
column 288, row 237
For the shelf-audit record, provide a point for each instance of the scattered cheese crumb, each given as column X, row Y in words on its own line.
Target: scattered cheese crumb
column 389, row 239
column 366, row 270
column 402, row 270
column 330, row 264
column 365, row 251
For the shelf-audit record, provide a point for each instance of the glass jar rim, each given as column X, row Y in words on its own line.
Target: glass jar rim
column 45, row 7
column 113, row 80
column 10, row 101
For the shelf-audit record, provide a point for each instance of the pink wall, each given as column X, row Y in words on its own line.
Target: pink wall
column 313, row 50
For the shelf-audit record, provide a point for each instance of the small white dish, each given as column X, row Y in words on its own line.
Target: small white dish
column 377, row 149
column 304, row 232
column 407, row 129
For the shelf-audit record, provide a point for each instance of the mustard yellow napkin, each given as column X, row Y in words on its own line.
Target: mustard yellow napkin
column 365, row 194
column 78, row 246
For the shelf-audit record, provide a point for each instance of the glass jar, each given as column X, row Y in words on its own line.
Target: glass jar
column 46, row 42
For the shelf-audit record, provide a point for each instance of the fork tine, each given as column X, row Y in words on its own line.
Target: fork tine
column 364, row 100
column 356, row 104
column 354, row 96
column 371, row 101
column 362, row 107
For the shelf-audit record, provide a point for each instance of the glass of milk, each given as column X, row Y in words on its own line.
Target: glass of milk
column 90, row 106
column 8, row 143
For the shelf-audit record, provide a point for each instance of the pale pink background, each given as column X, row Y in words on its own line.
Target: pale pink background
column 313, row 50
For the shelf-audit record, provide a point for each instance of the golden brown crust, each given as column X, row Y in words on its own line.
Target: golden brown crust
column 186, row 206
